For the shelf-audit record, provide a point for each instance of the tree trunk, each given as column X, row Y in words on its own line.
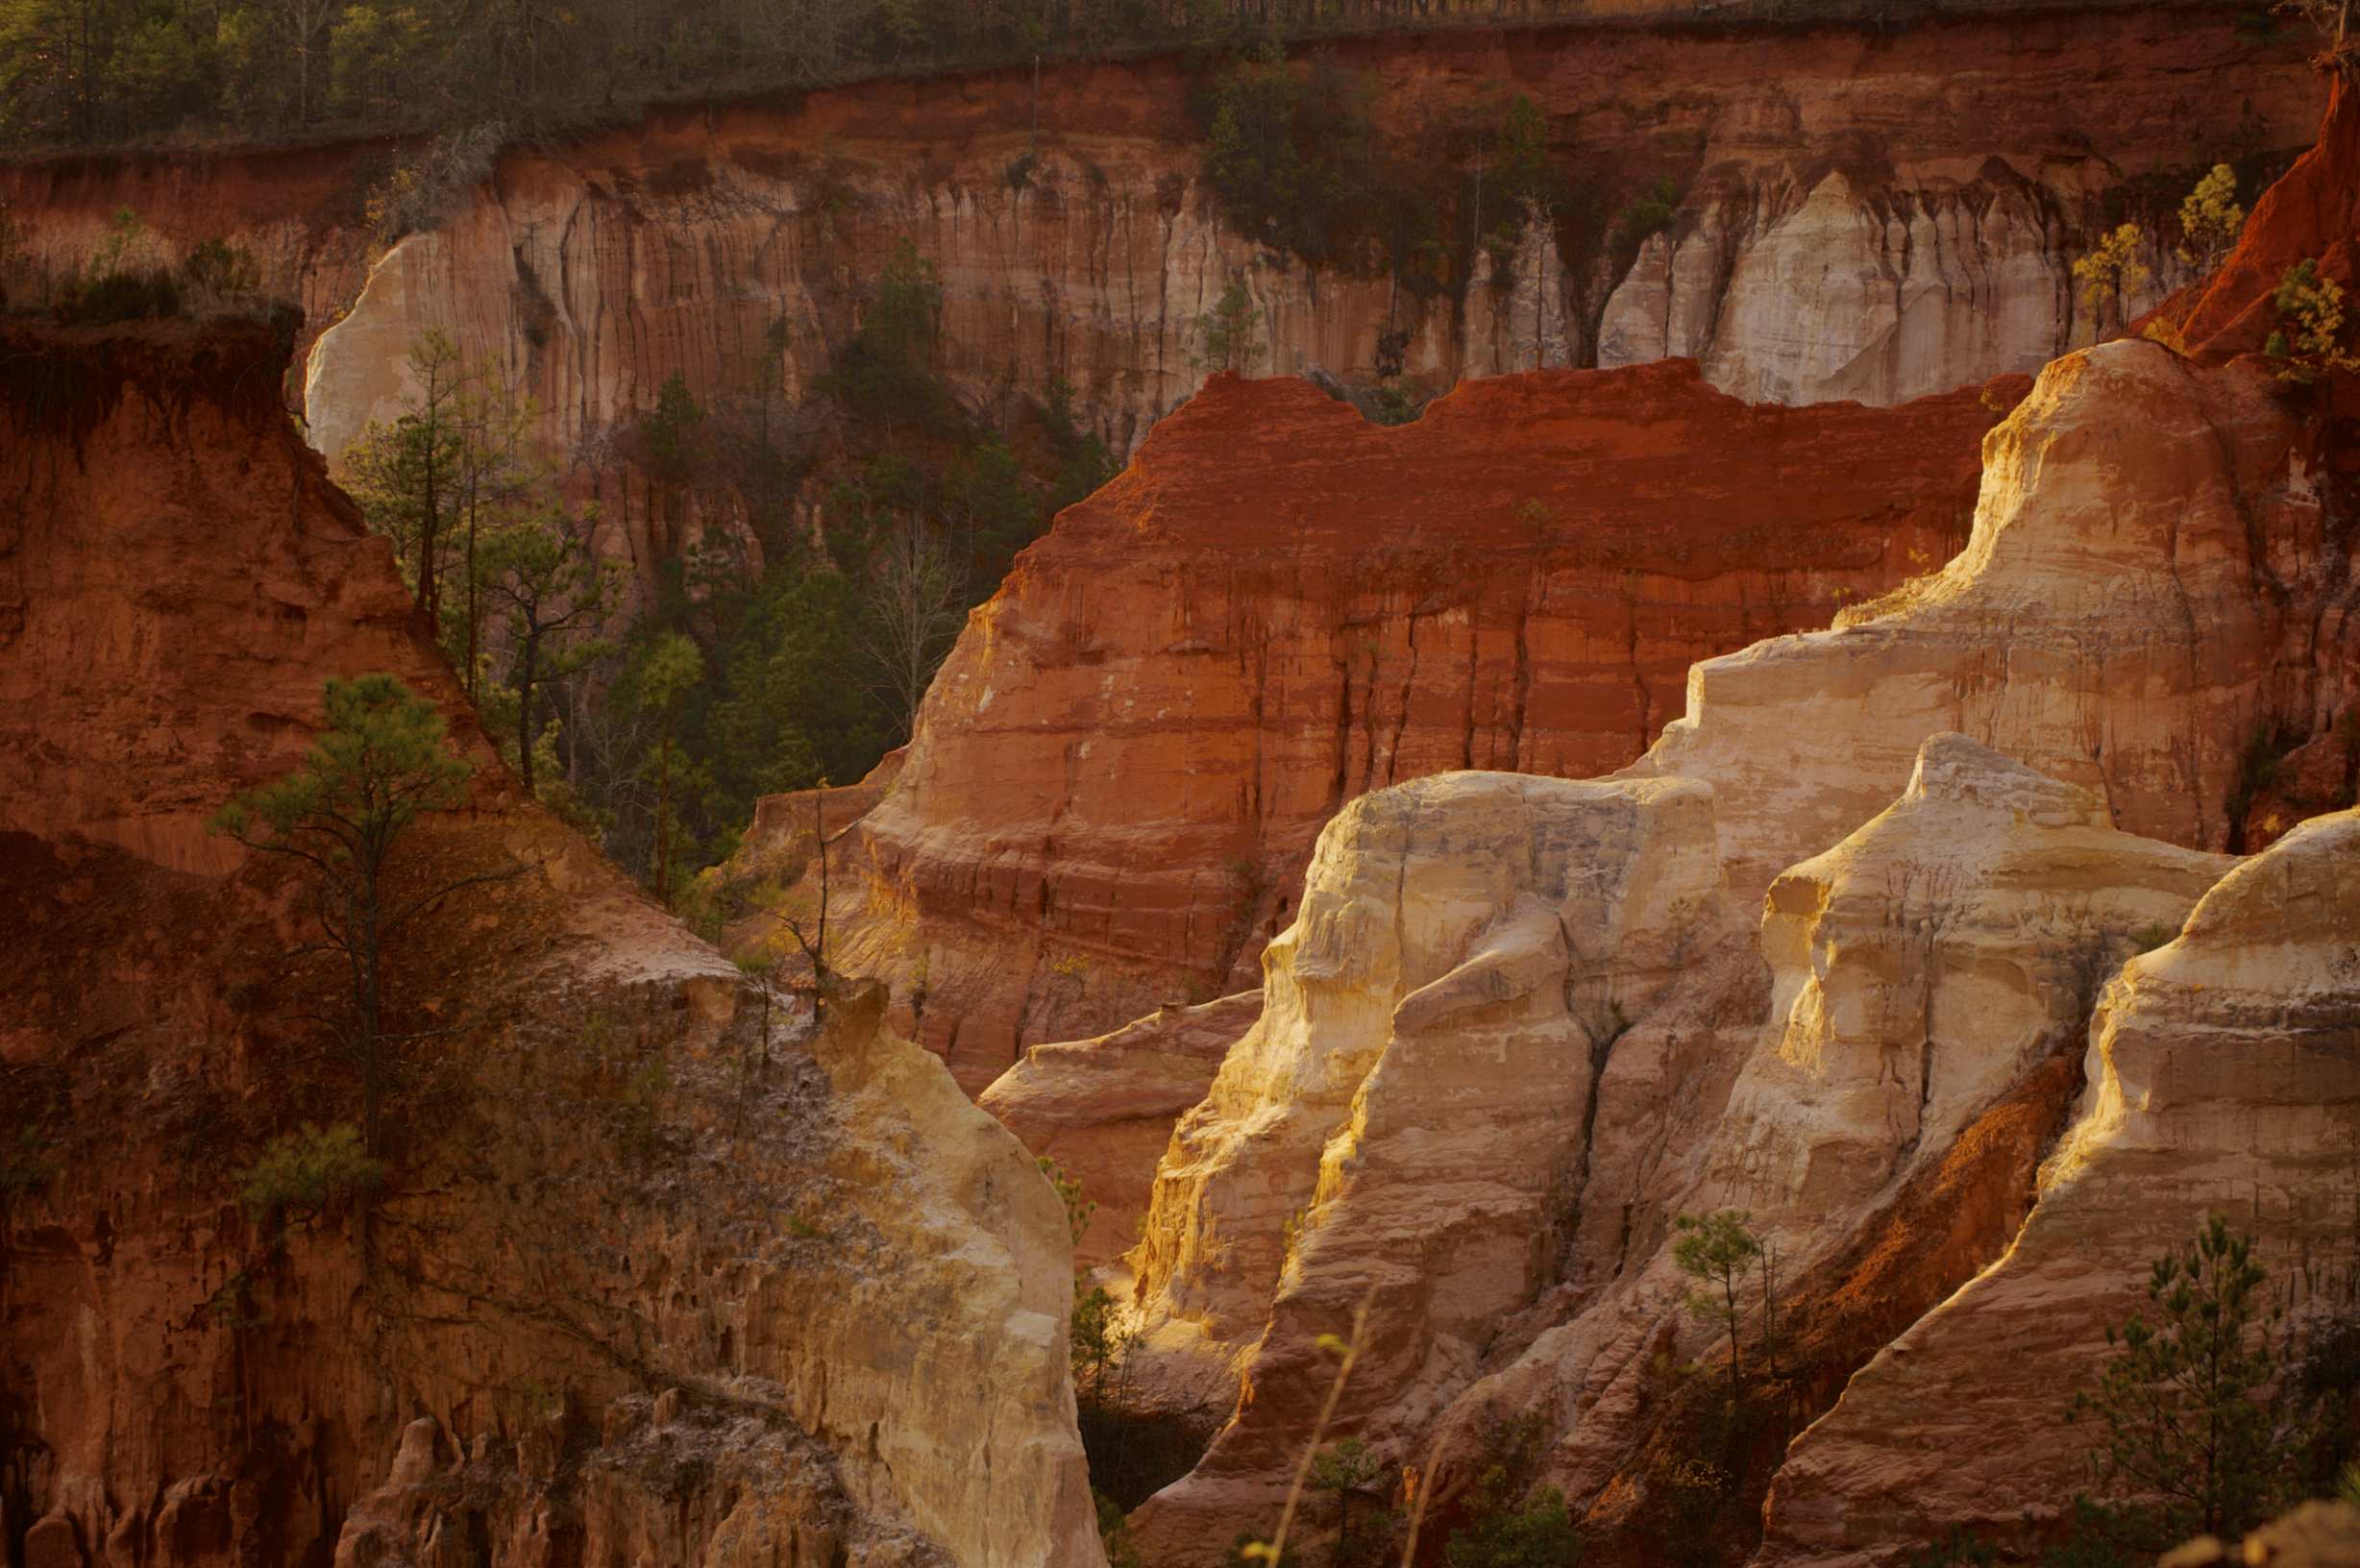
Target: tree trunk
column 527, row 658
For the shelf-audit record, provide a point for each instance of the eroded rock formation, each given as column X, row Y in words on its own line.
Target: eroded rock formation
column 2223, row 1078
column 1407, row 1122
column 1104, row 1109
column 2155, row 571
column 1118, row 773
column 2153, row 580
column 661, row 1271
column 1852, row 212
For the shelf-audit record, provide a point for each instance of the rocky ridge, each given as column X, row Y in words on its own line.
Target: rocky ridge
column 1853, row 214
column 1266, row 614
column 1904, row 1023
column 663, row 1270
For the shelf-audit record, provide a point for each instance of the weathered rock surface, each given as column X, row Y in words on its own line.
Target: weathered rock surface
column 1104, row 1109
column 1407, row 1122
column 2154, row 574
column 2312, row 214
column 1923, row 978
column 2151, row 582
column 1920, row 970
column 1859, row 212
column 662, row 1272
column 1118, row 773
column 2223, row 1078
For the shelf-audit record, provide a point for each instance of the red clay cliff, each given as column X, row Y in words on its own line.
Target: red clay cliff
column 1118, row 775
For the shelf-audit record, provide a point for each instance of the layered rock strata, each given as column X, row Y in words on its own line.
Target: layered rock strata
column 1923, row 977
column 660, row 1269
column 2154, row 572
column 1853, row 213
column 1104, row 1109
column 1118, row 773
column 2153, row 580
column 2223, row 1078
column 1406, row 1124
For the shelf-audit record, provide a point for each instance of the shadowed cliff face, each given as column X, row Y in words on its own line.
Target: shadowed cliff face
column 661, row 1270
column 1857, row 214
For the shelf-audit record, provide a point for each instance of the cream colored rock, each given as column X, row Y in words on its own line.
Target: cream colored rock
column 1410, row 1112
column 1104, row 1109
column 1921, row 969
column 1795, row 293
column 2223, row 1078
column 2140, row 593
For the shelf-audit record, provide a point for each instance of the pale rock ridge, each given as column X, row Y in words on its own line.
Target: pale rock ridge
column 1409, row 1111
column 2148, row 576
column 2147, row 582
column 2224, row 1078
column 1858, row 287
column 1920, row 970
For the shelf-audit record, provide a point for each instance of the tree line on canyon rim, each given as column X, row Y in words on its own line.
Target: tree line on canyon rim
column 94, row 72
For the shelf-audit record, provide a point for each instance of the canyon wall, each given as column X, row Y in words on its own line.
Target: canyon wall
column 662, row 1272
column 2158, row 572
column 1118, row 773
column 1853, row 214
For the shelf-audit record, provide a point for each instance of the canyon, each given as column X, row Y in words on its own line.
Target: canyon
column 654, row 1273
column 1406, row 874
column 1118, row 773
column 2104, row 650
column 1853, row 213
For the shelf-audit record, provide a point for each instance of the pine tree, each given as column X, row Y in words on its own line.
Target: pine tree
column 2191, row 1439
column 382, row 761
column 1715, row 1250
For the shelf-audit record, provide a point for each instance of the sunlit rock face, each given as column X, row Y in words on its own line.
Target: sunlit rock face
column 1921, row 969
column 1118, row 773
column 1411, row 1116
column 2139, row 596
column 2223, row 1078
column 1103, row 1109
column 1959, row 814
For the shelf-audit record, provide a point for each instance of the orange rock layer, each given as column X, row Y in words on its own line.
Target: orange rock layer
column 578, row 1325
column 1119, row 773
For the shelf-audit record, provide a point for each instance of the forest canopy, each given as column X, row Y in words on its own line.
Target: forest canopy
column 96, row 72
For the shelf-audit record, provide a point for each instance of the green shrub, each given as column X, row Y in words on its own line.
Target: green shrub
column 1651, row 211
column 310, row 1172
column 2190, row 1429
column 140, row 294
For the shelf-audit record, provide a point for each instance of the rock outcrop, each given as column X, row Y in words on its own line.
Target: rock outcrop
column 2153, row 581
column 2312, row 214
column 1407, row 1123
column 661, row 1272
column 1104, row 1109
column 1853, row 211
column 1924, row 976
column 1118, row 773
column 1920, row 970
column 2223, row 1078
column 2155, row 572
